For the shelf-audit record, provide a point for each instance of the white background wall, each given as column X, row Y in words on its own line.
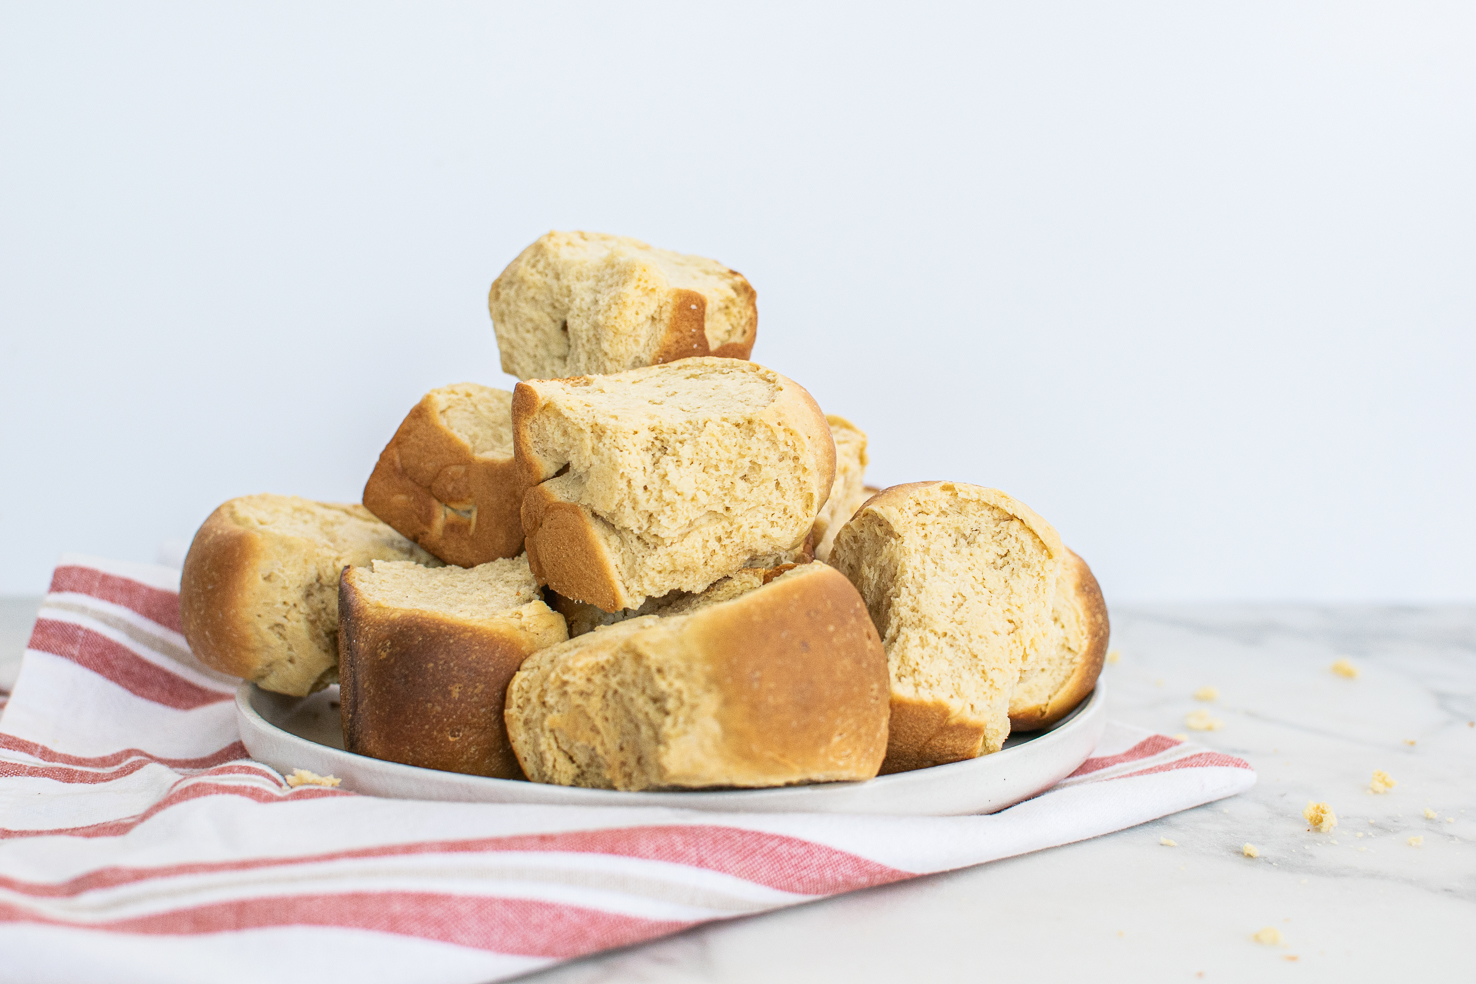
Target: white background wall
column 1197, row 281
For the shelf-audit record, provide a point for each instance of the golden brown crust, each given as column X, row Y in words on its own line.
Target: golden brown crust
column 686, row 334
column 259, row 587
column 742, row 348
column 1097, row 629
column 212, row 595
column 564, row 551
column 925, row 733
column 532, row 469
column 426, row 689
column 786, row 683
column 431, row 487
column 803, row 677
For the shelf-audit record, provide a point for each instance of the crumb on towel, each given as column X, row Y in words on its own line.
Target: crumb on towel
column 1416, row 841
column 1114, row 656
column 1207, row 693
column 1249, row 850
column 1343, row 668
column 1269, row 936
column 1381, row 782
column 302, row 777
column 1167, row 843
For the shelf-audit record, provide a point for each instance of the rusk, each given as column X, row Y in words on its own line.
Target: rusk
column 447, row 479
column 258, row 595
column 784, row 683
column 1065, row 671
column 583, row 303
column 426, row 655
column 959, row 580
column 666, row 478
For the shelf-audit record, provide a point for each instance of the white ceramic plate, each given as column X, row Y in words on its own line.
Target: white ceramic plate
column 304, row 733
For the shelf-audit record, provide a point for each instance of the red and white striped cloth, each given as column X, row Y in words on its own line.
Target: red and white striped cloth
column 138, row 842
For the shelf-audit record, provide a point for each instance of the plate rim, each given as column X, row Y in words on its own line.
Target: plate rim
column 1084, row 715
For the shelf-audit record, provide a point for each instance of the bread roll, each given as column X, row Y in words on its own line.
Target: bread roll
column 426, row 657
column 584, row 303
column 784, row 683
column 666, row 478
column 849, row 490
column 959, row 580
column 447, row 479
column 258, row 596
column 1066, row 670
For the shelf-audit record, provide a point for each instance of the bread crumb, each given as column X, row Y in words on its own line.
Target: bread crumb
column 1359, row 834
column 1207, row 693
column 1431, row 814
column 1343, row 668
column 1416, row 841
column 1291, row 957
column 1200, row 720
column 1450, row 819
column 1114, row 656
column 1179, row 736
column 1249, row 850
column 1320, row 816
column 1409, row 741
column 1167, row 843
column 302, row 777
column 1381, row 782
column 1158, row 682
column 1269, row 936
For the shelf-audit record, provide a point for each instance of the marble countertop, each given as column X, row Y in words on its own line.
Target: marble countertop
column 1358, row 903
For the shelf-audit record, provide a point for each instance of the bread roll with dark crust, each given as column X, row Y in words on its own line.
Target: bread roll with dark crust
column 426, row 658
column 258, row 596
column 783, row 683
column 586, row 303
column 1064, row 672
column 447, row 479
column 666, row 478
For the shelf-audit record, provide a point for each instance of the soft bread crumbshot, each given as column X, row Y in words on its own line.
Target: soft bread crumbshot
column 577, row 303
column 447, row 479
column 426, row 657
column 1063, row 672
column 666, row 478
column 258, row 596
column 960, row 582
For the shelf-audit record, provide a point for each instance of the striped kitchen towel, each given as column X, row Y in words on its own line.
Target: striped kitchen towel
column 139, row 842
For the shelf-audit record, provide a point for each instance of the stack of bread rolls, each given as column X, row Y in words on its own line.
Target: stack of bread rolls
column 653, row 565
